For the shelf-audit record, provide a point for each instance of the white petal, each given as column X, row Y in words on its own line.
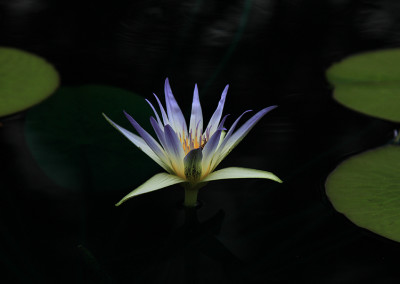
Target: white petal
column 216, row 117
column 175, row 116
column 174, row 150
column 221, row 138
column 196, row 117
column 155, row 112
column 233, row 172
column 151, row 142
column 139, row 142
column 158, row 181
column 209, row 151
column 163, row 113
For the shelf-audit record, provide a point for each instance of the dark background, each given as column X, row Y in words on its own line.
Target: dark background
column 249, row 231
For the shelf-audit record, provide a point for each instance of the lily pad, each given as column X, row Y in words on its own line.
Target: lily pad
column 25, row 80
column 78, row 149
column 366, row 188
column 369, row 83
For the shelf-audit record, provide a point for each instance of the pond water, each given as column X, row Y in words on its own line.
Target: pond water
column 59, row 230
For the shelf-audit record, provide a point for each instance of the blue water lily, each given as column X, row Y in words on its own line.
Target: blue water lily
column 190, row 155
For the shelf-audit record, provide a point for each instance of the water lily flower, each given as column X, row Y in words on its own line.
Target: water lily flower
column 190, row 155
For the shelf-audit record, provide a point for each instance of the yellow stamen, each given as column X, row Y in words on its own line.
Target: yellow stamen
column 189, row 143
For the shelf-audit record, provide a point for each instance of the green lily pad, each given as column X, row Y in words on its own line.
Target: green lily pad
column 78, row 149
column 369, row 83
column 366, row 188
column 25, row 80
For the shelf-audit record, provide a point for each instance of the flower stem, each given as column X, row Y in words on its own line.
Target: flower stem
column 191, row 196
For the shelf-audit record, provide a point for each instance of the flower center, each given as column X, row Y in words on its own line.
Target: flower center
column 191, row 142
column 188, row 143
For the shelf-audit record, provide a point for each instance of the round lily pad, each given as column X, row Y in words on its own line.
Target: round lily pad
column 78, row 149
column 369, row 83
column 25, row 80
column 366, row 188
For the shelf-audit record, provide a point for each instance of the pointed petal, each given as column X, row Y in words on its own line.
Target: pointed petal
column 231, row 142
column 138, row 141
column 155, row 112
column 229, row 134
column 175, row 115
column 153, row 144
column 212, row 146
column 159, row 132
column 213, row 161
column 234, row 172
column 209, row 151
column 161, row 137
column 192, row 164
column 158, row 181
column 245, row 128
column 221, row 138
column 196, row 117
column 174, row 149
column 216, row 117
column 221, row 124
column 164, row 115
column 222, row 142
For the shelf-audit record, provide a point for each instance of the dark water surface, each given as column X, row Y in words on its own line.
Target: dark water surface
column 246, row 231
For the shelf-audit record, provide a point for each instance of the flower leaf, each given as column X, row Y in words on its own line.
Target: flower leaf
column 365, row 188
column 75, row 146
column 369, row 83
column 25, row 80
